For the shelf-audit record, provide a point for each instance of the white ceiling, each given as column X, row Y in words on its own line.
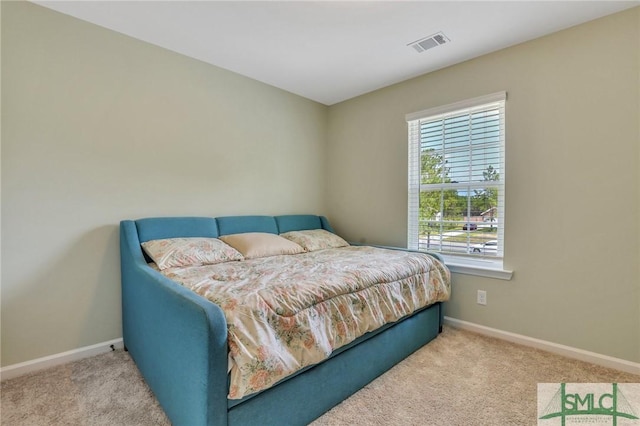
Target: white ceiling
column 330, row 51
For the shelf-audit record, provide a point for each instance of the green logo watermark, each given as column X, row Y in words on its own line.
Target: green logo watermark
column 588, row 403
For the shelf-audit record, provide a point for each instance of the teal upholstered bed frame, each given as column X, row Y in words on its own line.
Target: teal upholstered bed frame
column 178, row 339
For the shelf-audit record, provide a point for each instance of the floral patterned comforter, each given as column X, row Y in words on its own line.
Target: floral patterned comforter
column 288, row 312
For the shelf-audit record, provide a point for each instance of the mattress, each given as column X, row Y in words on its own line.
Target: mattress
column 285, row 313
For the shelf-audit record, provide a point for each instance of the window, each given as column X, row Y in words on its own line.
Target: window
column 456, row 180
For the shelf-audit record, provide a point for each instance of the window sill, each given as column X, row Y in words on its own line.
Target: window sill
column 478, row 267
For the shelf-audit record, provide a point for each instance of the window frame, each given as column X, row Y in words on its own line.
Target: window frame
column 488, row 266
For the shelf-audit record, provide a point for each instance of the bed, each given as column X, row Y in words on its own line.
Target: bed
column 195, row 356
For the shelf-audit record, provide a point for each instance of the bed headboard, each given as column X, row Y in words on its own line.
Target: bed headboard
column 157, row 228
column 173, row 227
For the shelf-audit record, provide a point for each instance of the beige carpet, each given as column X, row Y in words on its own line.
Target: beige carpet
column 460, row 378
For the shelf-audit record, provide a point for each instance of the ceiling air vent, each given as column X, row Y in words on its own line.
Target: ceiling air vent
column 428, row 42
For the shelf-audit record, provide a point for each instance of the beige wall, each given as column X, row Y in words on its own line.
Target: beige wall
column 99, row 127
column 573, row 188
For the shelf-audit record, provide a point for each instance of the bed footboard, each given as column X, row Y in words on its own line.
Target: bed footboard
column 305, row 397
column 177, row 339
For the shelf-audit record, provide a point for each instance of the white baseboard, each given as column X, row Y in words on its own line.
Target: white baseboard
column 15, row 370
column 22, row 368
column 568, row 351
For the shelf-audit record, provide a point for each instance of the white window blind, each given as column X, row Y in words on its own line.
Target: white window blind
column 456, row 178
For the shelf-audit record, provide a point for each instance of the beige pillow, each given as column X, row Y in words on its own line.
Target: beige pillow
column 180, row 252
column 260, row 244
column 315, row 239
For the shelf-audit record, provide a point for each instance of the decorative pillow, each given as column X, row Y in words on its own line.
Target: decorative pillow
column 176, row 252
column 315, row 239
column 261, row 244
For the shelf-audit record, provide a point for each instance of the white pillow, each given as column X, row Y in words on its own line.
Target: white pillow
column 261, row 244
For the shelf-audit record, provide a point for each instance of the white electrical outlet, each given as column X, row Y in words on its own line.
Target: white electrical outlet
column 482, row 297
